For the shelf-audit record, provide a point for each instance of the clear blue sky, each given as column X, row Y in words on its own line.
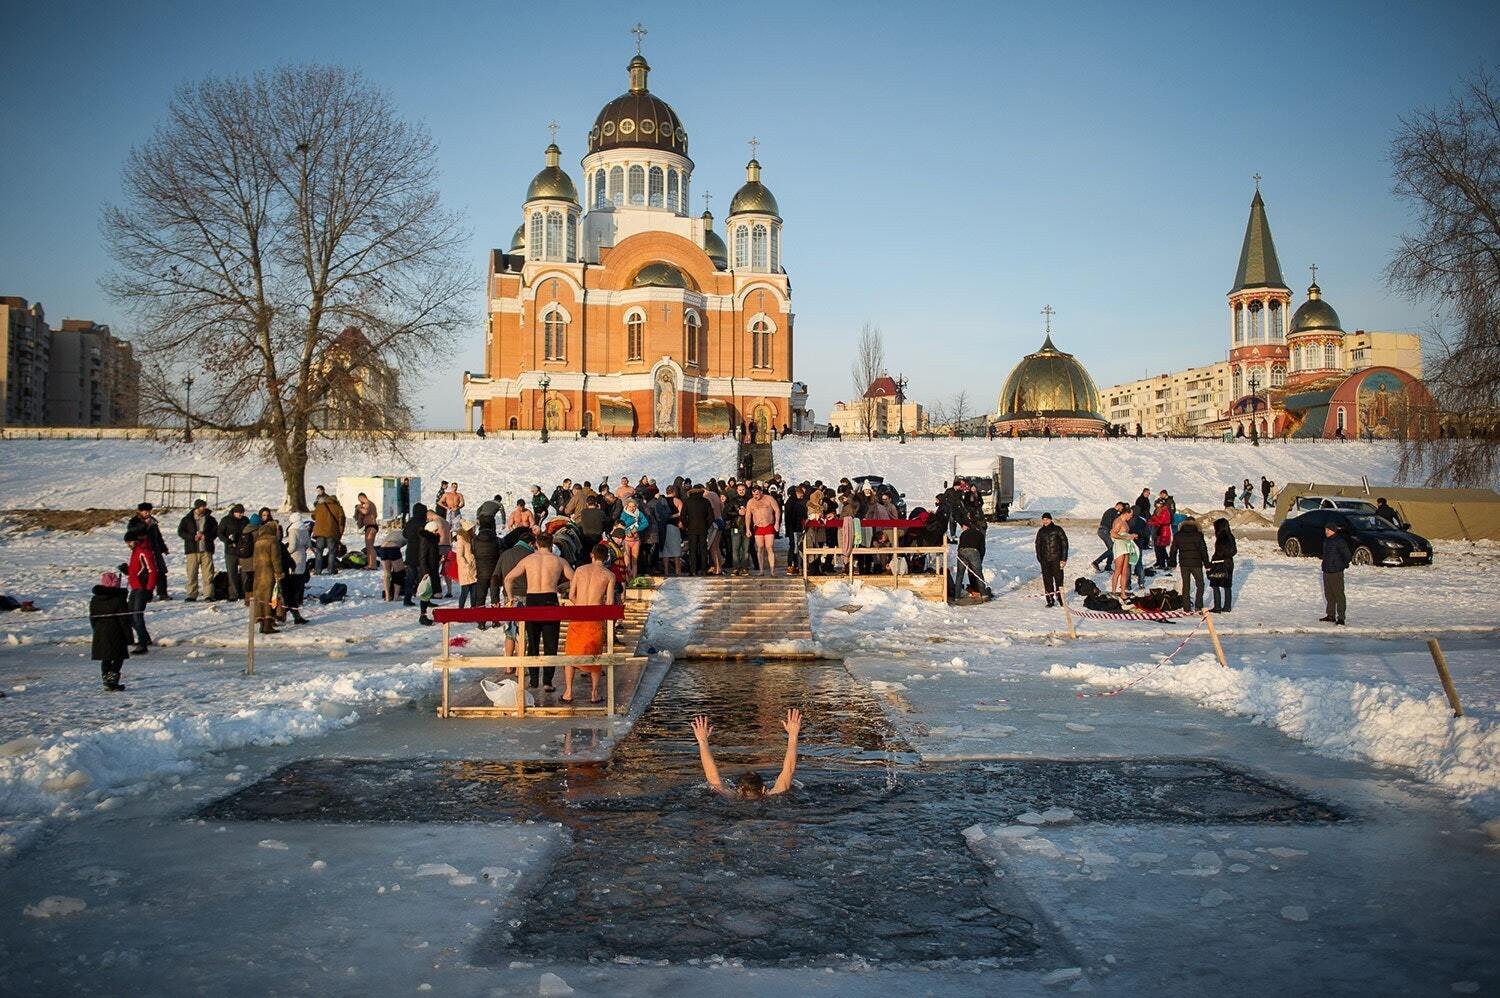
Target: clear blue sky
column 944, row 170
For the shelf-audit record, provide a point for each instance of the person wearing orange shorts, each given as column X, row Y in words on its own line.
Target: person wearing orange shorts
column 593, row 585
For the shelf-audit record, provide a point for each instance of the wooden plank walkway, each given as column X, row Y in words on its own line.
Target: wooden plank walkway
column 726, row 617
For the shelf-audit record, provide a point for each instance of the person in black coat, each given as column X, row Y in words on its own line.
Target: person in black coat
column 794, row 520
column 1221, row 570
column 414, row 530
column 109, row 618
column 1143, row 504
column 1336, row 558
column 697, row 518
column 144, row 521
column 486, row 550
column 1190, row 552
column 1052, row 555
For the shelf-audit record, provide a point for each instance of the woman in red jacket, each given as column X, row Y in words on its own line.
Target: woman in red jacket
column 1161, row 531
column 142, row 573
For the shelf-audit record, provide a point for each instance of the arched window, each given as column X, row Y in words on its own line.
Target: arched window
column 554, row 235
column 672, row 201
column 637, row 185
column 572, row 236
column 760, row 344
column 1275, row 320
column 1278, row 375
column 513, row 423
column 1330, row 355
column 775, row 249
column 758, row 248
column 1342, row 423
column 555, row 337
column 588, row 421
column 601, row 196
column 635, row 336
column 654, row 188
column 1238, row 382
column 691, row 329
column 617, row 185
column 683, row 200
column 742, row 246
column 534, row 245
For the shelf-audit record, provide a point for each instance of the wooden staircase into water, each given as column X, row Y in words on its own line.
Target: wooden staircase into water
column 724, row 617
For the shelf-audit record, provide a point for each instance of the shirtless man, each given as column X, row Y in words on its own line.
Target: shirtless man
column 750, row 786
column 593, row 585
column 763, row 517
column 543, row 571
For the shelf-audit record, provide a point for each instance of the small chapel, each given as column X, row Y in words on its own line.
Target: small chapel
column 618, row 311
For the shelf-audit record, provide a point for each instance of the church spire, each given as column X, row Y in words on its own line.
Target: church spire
column 1258, row 267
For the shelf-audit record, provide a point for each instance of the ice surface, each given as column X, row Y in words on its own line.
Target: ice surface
column 55, row 906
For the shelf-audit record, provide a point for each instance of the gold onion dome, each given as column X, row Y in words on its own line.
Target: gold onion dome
column 659, row 275
column 518, row 240
column 638, row 119
column 754, row 196
column 1315, row 314
column 1052, row 384
column 713, row 245
column 552, row 183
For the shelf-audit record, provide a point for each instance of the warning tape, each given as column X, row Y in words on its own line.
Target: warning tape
column 1137, row 615
column 1152, row 671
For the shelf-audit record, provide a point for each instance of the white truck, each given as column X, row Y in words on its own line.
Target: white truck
column 994, row 478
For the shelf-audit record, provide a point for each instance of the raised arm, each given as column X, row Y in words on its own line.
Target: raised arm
column 701, row 730
column 793, row 726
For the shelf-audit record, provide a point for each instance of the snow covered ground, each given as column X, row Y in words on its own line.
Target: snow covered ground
column 1081, row 477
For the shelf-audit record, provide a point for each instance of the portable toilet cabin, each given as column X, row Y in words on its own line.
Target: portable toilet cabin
column 385, row 491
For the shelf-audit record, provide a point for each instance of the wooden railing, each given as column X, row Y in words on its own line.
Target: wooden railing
column 892, row 529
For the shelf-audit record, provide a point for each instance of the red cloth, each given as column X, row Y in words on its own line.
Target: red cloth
column 766, row 531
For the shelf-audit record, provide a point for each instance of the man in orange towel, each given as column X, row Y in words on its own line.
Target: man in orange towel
column 593, row 585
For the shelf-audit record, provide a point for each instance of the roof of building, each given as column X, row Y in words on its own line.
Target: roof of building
column 1258, row 267
column 1049, row 384
column 754, row 196
column 1315, row 314
column 638, row 119
column 882, row 387
column 659, row 275
column 713, row 243
column 553, row 182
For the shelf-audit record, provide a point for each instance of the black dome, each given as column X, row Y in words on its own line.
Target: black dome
column 638, row 119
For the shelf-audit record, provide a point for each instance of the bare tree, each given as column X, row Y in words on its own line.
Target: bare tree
column 869, row 364
column 261, row 220
column 958, row 407
column 1447, row 168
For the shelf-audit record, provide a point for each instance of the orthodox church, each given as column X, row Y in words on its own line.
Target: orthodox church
column 618, row 311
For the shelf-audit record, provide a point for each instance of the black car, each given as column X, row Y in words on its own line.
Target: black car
column 1373, row 540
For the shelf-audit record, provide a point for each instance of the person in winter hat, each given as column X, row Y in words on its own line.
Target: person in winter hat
column 109, row 618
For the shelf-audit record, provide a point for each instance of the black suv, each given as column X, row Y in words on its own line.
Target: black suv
column 1373, row 540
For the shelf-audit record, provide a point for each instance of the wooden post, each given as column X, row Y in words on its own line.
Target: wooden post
column 1441, row 661
column 250, row 638
column 609, row 707
column 1068, row 616
column 1214, row 634
column 444, row 658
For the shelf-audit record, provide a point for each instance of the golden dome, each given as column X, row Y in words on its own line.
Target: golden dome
column 552, row 183
column 638, row 119
column 518, row 241
column 1315, row 314
column 754, row 196
column 713, row 245
column 659, row 275
column 1049, row 384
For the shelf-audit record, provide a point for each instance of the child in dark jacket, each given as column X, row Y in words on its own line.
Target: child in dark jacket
column 109, row 617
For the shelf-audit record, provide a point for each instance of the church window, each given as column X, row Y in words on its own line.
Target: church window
column 635, row 336
column 554, row 235
column 637, row 185
column 691, row 328
column 758, row 248
column 760, row 344
column 1239, row 383
column 1275, row 320
column 742, row 246
column 654, row 190
column 534, row 240
column 617, row 186
column 683, row 200
column 1342, row 419
column 1239, row 324
column 1278, row 375
column 775, row 249
column 601, row 196
column 572, row 236
column 554, row 337
column 672, row 201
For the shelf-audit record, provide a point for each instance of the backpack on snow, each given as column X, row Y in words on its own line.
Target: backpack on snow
column 1102, row 602
column 220, row 587
column 334, row 594
column 1085, row 587
column 1161, row 601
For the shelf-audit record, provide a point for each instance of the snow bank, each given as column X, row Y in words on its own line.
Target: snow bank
column 55, row 774
column 74, row 474
column 1344, row 719
column 1081, row 477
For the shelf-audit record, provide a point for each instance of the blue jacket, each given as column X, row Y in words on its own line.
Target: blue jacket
column 636, row 521
column 1336, row 553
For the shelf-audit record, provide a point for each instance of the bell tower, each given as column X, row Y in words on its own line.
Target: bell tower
column 1259, row 309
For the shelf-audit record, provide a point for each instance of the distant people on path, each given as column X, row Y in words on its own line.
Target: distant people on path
column 198, row 530
column 1052, row 555
column 1190, row 551
column 543, row 571
column 1267, row 487
column 1336, row 558
column 109, row 620
column 1248, row 494
column 328, row 529
column 1221, row 569
column 750, row 786
column 367, row 519
column 142, row 573
column 593, row 585
column 1229, row 497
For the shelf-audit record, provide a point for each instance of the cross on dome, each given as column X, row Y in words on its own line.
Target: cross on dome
column 1314, row 269
column 1049, row 312
column 754, row 145
column 552, row 127
column 640, row 33
column 707, row 197
column 1257, row 183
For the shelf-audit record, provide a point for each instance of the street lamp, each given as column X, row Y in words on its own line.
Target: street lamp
column 901, row 406
column 1254, row 398
column 546, row 382
column 187, row 416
